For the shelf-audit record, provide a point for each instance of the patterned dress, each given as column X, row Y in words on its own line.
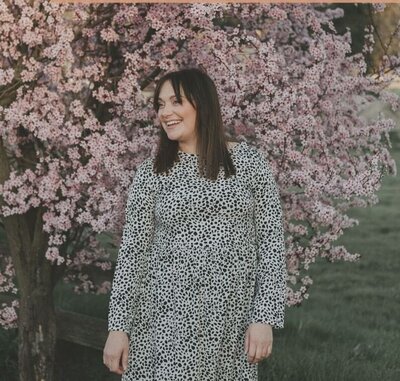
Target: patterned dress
column 198, row 262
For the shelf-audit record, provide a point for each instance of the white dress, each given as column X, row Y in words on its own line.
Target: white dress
column 198, row 262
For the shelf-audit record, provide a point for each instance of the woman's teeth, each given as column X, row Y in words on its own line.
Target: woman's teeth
column 172, row 124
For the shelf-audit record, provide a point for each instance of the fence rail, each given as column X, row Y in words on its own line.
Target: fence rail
column 81, row 329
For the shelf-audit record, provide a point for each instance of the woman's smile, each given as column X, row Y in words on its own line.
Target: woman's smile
column 170, row 126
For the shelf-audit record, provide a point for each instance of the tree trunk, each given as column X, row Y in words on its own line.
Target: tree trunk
column 36, row 333
column 36, row 277
column 385, row 23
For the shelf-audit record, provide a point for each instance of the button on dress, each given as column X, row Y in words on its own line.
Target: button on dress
column 198, row 262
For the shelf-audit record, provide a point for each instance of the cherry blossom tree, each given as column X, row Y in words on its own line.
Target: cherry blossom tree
column 76, row 120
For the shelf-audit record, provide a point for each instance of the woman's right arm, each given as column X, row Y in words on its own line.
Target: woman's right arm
column 136, row 238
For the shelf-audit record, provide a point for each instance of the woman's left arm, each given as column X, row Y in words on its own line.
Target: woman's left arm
column 270, row 293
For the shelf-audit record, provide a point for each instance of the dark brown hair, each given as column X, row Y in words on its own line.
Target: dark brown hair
column 201, row 92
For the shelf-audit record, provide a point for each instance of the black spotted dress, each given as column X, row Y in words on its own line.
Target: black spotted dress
column 198, row 262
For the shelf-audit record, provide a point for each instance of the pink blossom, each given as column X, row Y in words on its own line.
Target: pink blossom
column 53, row 255
column 8, row 315
column 109, row 35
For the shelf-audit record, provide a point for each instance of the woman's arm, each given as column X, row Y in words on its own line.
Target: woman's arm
column 270, row 293
column 136, row 238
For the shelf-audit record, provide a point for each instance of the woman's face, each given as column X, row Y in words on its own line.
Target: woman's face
column 170, row 110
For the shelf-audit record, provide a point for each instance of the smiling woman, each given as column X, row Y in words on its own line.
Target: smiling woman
column 201, row 274
column 178, row 117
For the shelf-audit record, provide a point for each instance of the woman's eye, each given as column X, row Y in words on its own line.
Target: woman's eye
column 174, row 102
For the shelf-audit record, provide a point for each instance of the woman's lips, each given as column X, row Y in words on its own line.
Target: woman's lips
column 173, row 125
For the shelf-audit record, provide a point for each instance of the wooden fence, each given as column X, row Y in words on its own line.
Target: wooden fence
column 83, row 330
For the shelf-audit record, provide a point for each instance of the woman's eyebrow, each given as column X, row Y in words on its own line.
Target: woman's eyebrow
column 172, row 96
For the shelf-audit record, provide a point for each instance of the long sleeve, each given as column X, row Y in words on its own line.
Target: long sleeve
column 270, row 291
column 136, row 237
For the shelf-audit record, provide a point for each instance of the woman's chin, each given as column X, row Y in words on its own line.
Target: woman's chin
column 172, row 135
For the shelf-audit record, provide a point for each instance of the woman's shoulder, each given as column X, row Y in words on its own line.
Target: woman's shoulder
column 232, row 144
column 254, row 162
column 248, row 151
column 144, row 166
column 144, row 173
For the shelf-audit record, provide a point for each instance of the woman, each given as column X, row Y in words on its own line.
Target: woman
column 200, row 279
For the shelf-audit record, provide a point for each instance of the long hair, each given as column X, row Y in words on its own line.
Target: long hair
column 212, row 148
